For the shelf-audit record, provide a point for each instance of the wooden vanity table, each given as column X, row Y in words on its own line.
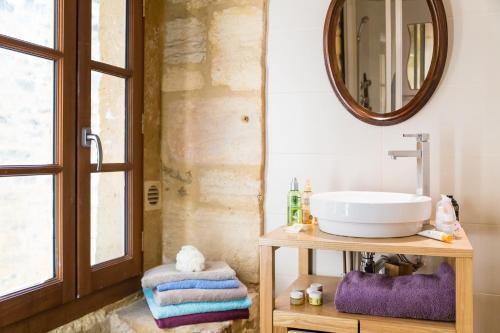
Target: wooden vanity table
column 276, row 313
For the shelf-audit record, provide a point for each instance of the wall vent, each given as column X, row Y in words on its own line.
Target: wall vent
column 152, row 195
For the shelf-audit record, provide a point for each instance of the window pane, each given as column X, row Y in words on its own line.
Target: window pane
column 108, row 227
column 27, row 237
column 26, row 109
column 108, row 116
column 109, row 31
column 29, row 20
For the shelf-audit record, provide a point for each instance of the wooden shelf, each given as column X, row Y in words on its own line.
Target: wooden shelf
column 277, row 315
column 418, row 245
column 326, row 318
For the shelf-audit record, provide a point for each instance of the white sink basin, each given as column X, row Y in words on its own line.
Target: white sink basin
column 371, row 214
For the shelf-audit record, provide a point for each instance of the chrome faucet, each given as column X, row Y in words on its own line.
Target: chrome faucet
column 423, row 161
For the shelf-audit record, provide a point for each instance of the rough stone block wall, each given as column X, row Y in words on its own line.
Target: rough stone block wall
column 212, row 143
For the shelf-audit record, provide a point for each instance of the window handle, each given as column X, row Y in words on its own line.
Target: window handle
column 87, row 138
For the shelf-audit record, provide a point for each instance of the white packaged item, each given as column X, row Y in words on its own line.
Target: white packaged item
column 294, row 228
column 446, row 220
column 438, row 235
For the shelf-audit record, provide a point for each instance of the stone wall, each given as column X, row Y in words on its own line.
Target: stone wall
column 212, row 129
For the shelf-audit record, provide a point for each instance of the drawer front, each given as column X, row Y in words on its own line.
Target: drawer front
column 395, row 325
column 315, row 323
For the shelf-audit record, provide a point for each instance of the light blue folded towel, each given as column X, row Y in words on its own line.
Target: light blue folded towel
column 199, row 284
column 167, row 311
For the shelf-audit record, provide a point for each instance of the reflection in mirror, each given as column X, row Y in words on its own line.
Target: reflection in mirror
column 420, row 56
column 375, row 54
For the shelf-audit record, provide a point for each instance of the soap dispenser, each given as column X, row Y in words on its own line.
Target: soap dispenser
column 307, row 218
column 294, row 204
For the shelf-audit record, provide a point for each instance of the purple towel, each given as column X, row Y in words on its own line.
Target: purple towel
column 419, row 296
column 198, row 318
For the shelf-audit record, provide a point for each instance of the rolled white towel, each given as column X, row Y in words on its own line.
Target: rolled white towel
column 190, row 259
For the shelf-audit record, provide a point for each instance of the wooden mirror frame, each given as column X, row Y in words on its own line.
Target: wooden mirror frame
column 431, row 81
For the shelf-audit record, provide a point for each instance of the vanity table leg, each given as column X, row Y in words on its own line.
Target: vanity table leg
column 464, row 295
column 305, row 261
column 266, row 288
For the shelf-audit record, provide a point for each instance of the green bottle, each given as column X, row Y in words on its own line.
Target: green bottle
column 294, row 203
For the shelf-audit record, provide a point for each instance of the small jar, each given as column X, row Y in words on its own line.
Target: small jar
column 296, row 298
column 316, row 286
column 315, row 298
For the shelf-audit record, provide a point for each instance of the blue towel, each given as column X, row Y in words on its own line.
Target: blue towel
column 167, row 311
column 199, row 284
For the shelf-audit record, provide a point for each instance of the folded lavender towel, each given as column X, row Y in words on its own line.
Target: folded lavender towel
column 198, row 318
column 419, row 296
column 214, row 270
column 199, row 295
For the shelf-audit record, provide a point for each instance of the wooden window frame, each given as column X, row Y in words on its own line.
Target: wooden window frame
column 77, row 288
column 60, row 289
column 92, row 278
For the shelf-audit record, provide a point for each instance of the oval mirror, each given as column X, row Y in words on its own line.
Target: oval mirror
column 385, row 57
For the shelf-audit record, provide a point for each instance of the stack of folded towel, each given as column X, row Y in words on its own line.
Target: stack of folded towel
column 178, row 298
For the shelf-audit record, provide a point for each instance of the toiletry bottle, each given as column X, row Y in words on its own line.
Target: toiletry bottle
column 446, row 220
column 306, row 204
column 294, row 204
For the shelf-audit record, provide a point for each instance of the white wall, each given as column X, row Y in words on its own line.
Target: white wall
column 310, row 134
